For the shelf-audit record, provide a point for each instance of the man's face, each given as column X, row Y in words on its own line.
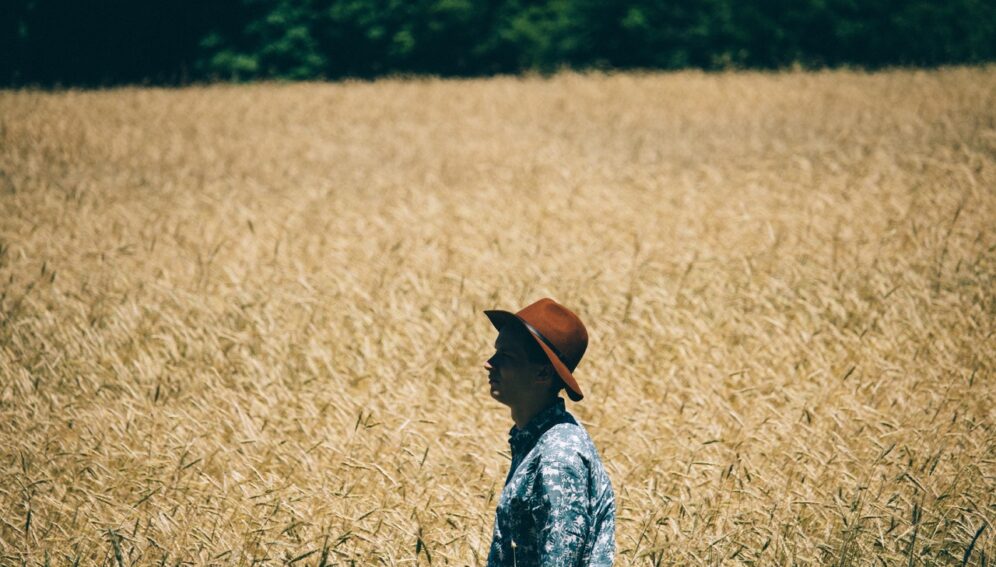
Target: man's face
column 511, row 376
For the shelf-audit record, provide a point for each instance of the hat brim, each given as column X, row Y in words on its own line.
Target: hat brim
column 501, row 318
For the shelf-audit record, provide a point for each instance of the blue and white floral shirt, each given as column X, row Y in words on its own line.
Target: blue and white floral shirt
column 557, row 507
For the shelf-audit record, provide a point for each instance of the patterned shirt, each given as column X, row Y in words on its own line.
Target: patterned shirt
column 557, row 507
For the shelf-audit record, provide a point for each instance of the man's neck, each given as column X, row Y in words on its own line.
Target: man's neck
column 525, row 412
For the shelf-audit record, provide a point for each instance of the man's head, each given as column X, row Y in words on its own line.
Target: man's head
column 556, row 331
column 519, row 371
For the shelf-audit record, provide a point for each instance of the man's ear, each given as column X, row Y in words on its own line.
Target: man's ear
column 546, row 374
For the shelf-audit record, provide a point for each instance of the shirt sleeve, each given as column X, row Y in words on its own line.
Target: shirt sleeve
column 560, row 515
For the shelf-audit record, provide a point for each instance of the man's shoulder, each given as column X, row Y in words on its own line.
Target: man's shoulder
column 566, row 440
column 567, row 430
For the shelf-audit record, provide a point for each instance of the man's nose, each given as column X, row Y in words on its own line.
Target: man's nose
column 487, row 365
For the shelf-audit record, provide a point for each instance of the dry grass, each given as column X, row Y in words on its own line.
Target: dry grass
column 242, row 323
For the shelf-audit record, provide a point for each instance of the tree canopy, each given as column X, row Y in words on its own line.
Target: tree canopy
column 53, row 42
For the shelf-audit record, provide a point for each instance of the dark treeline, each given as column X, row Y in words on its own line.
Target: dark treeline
column 104, row 42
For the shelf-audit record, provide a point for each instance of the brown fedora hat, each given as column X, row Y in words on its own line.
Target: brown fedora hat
column 557, row 330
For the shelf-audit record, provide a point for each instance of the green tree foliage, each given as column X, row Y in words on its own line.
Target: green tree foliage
column 113, row 41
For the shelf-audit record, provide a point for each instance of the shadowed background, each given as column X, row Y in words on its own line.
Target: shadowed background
column 72, row 43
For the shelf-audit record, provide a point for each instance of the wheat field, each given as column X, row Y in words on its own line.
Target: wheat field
column 242, row 324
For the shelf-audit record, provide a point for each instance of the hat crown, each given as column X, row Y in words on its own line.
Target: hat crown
column 560, row 327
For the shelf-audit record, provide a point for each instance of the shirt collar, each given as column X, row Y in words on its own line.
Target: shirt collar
column 526, row 436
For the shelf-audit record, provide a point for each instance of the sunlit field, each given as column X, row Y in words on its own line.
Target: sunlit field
column 242, row 324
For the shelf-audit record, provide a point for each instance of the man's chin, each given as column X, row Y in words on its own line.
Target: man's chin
column 496, row 393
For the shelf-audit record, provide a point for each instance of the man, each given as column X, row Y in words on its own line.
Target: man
column 557, row 507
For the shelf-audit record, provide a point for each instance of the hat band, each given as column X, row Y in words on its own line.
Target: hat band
column 546, row 341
